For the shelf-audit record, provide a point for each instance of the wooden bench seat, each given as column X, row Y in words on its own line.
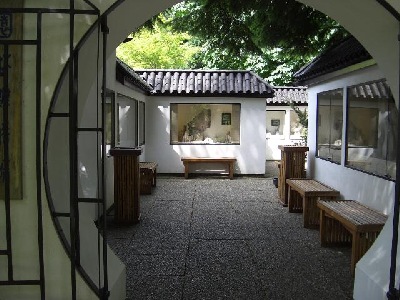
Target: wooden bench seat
column 148, row 176
column 347, row 221
column 229, row 161
column 303, row 195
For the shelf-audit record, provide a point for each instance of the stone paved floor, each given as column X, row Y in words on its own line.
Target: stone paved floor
column 214, row 238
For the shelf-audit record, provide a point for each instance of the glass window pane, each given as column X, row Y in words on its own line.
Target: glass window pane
column 275, row 122
column 297, row 130
column 371, row 131
column 127, row 121
column 295, row 126
column 118, row 126
column 205, row 123
column 329, row 125
column 108, row 129
column 109, row 118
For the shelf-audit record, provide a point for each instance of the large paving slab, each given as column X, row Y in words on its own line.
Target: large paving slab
column 215, row 238
column 221, row 269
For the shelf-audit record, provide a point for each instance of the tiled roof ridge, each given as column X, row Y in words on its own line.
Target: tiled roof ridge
column 290, row 87
column 289, row 94
column 201, row 82
column 194, row 70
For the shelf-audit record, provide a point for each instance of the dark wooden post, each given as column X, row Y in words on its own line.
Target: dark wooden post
column 126, row 185
column 292, row 166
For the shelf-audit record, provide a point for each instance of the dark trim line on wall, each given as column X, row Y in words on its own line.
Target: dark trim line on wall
column 390, row 9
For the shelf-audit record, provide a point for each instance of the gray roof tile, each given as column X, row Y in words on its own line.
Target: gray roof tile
column 289, row 94
column 206, row 83
column 209, row 83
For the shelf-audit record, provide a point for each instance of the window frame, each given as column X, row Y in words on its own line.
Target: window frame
column 341, row 89
column 346, row 154
column 142, row 123
column 110, row 99
column 276, row 136
column 136, row 114
column 205, row 103
column 292, row 111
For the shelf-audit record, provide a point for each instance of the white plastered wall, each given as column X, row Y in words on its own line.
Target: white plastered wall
column 250, row 153
column 379, row 37
column 24, row 220
column 275, row 140
column 117, row 87
column 372, row 270
column 371, row 190
column 377, row 30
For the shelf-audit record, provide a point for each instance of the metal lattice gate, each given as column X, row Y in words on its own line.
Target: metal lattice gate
column 12, row 45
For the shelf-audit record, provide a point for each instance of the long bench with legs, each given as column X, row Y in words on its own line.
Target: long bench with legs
column 229, row 161
column 349, row 222
column 303, row 195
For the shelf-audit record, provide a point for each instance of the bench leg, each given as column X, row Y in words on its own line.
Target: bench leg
column 322, row 227
column 306, row 211
column 186, row 167
column 310, row 212
column 290, row 199
column 294, row 200
column 355, row 251
column 146, row 180
column 231, row 170
column 361, row 243
column 155, row 177
column 332, row 232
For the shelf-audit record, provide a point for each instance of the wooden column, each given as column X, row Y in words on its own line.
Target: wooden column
column 293, row 159
column 126, row 185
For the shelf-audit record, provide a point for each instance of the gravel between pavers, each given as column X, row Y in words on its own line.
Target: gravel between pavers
column 214, row 238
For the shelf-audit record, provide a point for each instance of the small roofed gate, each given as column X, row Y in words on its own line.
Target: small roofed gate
column 16, row 39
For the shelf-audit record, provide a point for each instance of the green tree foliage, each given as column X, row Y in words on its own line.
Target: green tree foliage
column 257, row 24
column 157, row 48
column 274, row 65
column 272, row 37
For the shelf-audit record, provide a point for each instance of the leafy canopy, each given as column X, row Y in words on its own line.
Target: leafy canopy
column 272, row 37
column 254, row 25
column 157, row 48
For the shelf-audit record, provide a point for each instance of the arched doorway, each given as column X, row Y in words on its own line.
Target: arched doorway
column 379, row 37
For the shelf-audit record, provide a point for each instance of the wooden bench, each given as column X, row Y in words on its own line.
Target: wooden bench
column 303, row 195
column 148, row 176
column 230, row 161
column 347, row 221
